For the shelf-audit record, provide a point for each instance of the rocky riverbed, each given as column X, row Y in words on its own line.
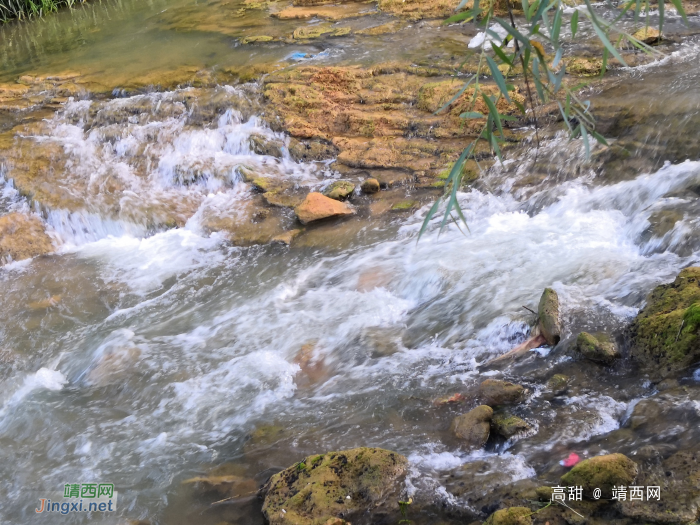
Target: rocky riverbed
column 214, row 296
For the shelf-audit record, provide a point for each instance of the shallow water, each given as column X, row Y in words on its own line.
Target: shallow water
column 142, row 354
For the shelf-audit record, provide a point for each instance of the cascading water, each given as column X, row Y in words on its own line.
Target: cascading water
column 152, row 347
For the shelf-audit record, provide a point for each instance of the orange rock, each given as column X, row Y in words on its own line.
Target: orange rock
column 21, row 237
column 317, row 206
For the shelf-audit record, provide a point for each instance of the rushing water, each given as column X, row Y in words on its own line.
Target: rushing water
column 164, row 353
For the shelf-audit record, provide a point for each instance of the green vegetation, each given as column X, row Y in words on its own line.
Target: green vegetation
column 20, row 9
column 536, row 62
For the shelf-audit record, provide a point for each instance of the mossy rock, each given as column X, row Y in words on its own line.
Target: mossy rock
column 340, row 190
column 508, row 425
column 557, row 384
column 495, row 392
column 473, row 428
column 592, row 348
column 602, row 472
column 406, row 205
column 345, row 484
column 510, row 516
column 258, row 38
column 664, row 336
column 548, row 312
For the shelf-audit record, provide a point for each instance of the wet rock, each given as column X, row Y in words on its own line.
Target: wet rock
column 557, row 384
column 223, row 486
column 306, row 151
column 282, row 199
column 544, row 493
column 370, row 186
column 511, row 516
column 664, row 335
column 256, row 38
column 590, row 347
column 678, row 479
column 287, row 237
column 263, row 146
column 345, row 484
column 449, row 400
column 507, row 425
column 647, row 35
column 473, row 428
column 603, row 472
column 340, row 190
column 584, row 66
column 317, row 207
column 495, row 392
column 317, row 31
column 548, row 312
column 313, row 367
column 333, row 13
column 22, row 236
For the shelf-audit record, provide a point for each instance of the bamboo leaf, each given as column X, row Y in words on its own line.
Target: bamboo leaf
column 557, row 57
column 599, row 137
column 605, row 62
column 526, row 8
column 471, row 114
column 498, row 77
column 566, row 118
column 661, row 16
column 556, row 26
column 574, row 23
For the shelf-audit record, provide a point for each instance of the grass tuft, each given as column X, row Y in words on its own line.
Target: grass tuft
column 22, row 9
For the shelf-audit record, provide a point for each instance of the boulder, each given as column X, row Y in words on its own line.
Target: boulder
column 557, row 384
column 592, row 348
column 548, row 312
column 511, row 516
column 340, row 190
column 507, row 425
column 473, row 428
column 346, row 484
column 664, row 335
column 317, row 206
column 603, row 472
column 495, row 392
column 22, row 236
column 370, row 186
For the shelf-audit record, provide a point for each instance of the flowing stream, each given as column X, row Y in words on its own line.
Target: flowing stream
column 169, row 352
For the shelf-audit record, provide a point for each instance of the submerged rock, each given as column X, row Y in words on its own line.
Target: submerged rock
column 557, row 384
column 548, row 312
column 592, row 348
column 345, row 484
column 664, row 335
column 22, row 236
column 648, row 35
column 496, row 392
column 507, row 425
column 473, row 428
column 370, row 186
column 511, row 516
column 603, row 472
column 317, row 207
column 340, row 190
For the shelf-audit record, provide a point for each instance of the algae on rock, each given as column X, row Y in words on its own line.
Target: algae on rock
column 343, row 484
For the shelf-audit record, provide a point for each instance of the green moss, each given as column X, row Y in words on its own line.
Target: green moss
column 259, row 38
column 602, row 472
column 510, row 516
column 404, row 205
column 664, row 334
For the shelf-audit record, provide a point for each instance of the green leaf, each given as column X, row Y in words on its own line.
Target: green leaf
column 565, row 117
column 574, row 23
column 459, row 94
column 526, row 7
column 637, row 9
column 455, row 177
column 496, row 149
column 584, row 135
column 557, row 57
column 599, row 137
column 661, row 16
column 471, row 114
column 499, row 52
column 540, row 11
column 521, row 108
column 556, row 27
column 498, row 77
column 426, row 221
column 603, row 38
column 536, row 78
column 464, row 16
column 679, row 7
column 514, row 32
column 534, row 7
column 493, row 113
